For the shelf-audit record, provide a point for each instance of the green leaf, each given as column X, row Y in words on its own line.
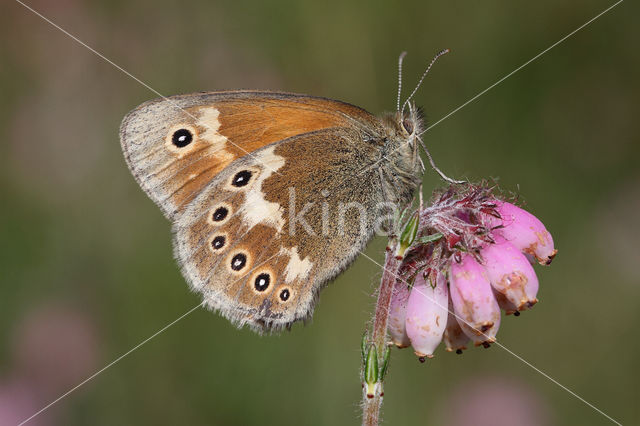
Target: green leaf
column 363, row 346
column 371, row 366
column 385, row 363
column 409, row 233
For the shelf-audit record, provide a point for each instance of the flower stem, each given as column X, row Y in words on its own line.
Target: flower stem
column 371, row 403
column 381, row 318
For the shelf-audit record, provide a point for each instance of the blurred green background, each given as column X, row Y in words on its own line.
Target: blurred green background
column 86, row 269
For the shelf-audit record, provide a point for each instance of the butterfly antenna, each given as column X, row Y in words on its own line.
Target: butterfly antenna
column 433, row 61
column 434, row 167
column 400, row 59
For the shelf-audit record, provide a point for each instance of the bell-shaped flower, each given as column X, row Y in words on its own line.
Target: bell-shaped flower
column 474, row 304
column 427, row 311
column 455, row 340
column 510, row 273
column 397, row 315
column 524, row 231
column 477, row 247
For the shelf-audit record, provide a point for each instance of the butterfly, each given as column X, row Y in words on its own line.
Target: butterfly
column 248, row 179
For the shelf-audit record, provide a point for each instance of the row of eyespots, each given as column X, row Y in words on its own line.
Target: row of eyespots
column 239, row 261
column 262, row 282
column 240, row 179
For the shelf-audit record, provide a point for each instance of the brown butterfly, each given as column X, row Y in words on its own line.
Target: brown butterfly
column 237, row 172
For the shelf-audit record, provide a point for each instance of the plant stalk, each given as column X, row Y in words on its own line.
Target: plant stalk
column 371, row 404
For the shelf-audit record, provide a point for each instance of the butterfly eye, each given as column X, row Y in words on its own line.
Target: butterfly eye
column 181, row 138
column 220, row 214
column 408, row 125
column 262, row 282
column 238, row 261
column 218, row 242
column 285, row 294
column 241, row 178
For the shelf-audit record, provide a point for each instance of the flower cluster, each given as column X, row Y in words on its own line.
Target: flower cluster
column 471, row 255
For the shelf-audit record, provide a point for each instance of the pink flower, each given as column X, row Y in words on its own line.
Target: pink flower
column 525, row 231
column 476, row 246
column 397, row 315
column 454, row 338
column 427, row 312
column 474, row 305
column 510, row 273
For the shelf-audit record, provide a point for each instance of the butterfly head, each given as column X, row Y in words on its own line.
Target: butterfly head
column 401, row 153
column 411, row 122
column 404, row 128
column 402, row 131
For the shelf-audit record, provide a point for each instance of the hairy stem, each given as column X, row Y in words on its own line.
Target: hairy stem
column 371, row 403
column 371, row 410
column 381, row 318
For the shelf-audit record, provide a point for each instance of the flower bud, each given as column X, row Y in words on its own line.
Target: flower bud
column 397, row 315
column 474, row 304
column 454, row 338
column 510, row 273
column 427, row 314
column 525, row 231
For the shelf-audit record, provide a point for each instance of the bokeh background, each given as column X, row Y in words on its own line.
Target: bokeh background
column 86, row 270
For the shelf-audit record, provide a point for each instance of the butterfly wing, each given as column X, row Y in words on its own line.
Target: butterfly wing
column 268, row 232
column 235, row 172
column 175, row 146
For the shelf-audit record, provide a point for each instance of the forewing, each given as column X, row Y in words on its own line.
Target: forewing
column 176, row 146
